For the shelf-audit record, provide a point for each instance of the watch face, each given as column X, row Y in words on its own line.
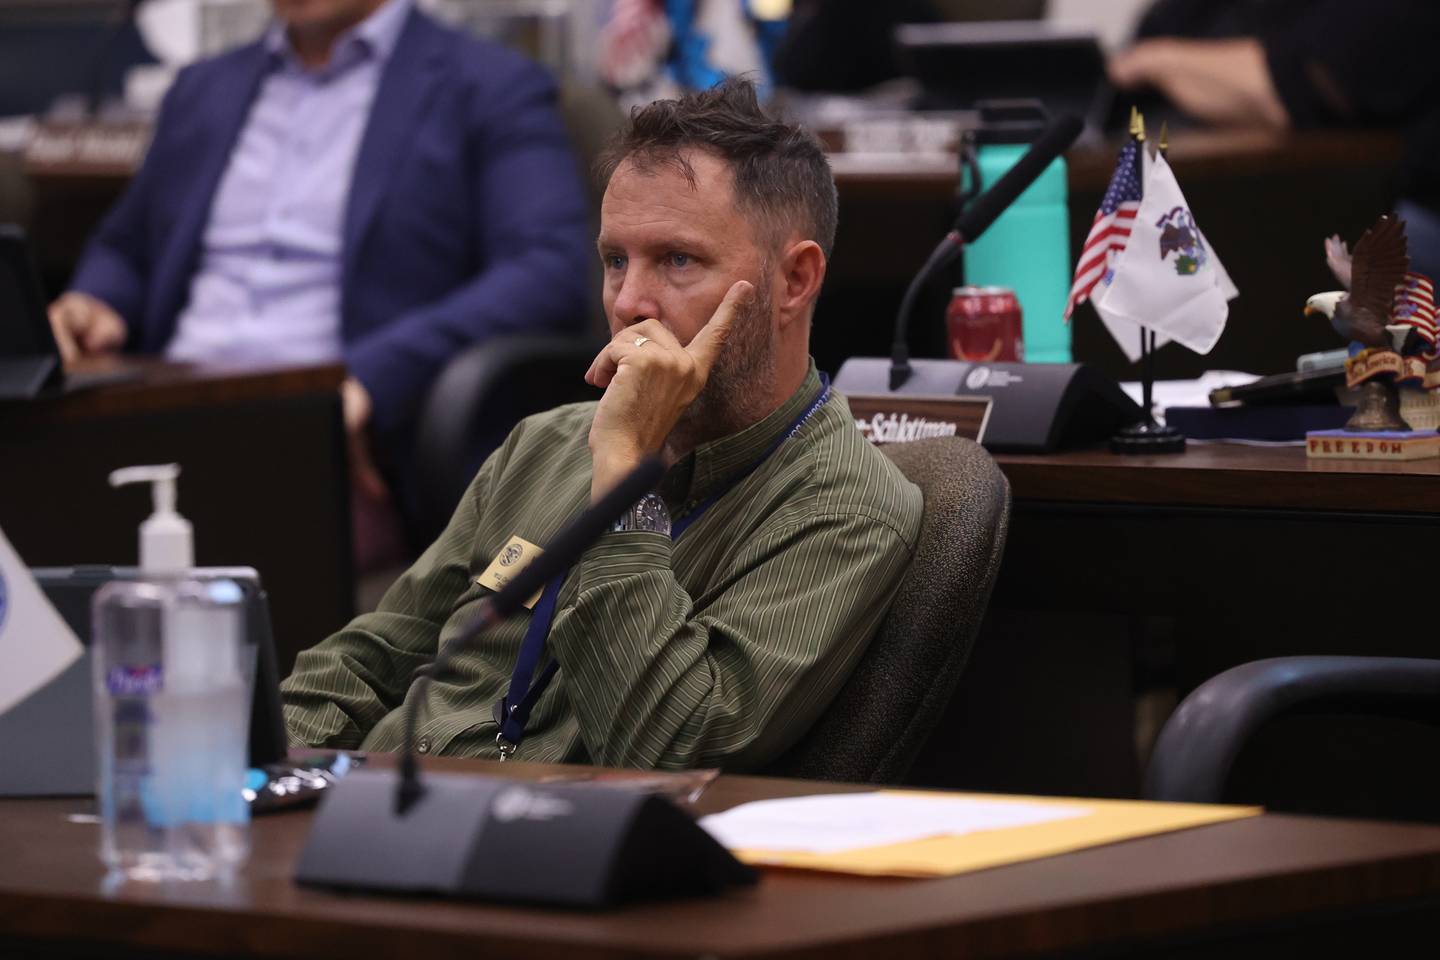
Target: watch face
column 649, row 515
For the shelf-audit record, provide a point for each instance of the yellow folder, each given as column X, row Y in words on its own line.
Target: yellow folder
column 1103, row 821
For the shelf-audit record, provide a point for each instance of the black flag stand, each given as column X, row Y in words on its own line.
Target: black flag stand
column 1147, row 436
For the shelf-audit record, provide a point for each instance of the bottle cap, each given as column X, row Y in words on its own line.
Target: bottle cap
column 167, row 543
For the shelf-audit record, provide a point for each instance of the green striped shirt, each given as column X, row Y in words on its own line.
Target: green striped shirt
column 719, row 649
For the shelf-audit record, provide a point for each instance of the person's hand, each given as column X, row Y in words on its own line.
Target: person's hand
column 84, row 325
column 649, row 379
column 356, row 406
column 1217, row 81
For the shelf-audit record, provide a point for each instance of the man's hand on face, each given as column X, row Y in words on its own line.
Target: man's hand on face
column 649, row 379
column 85, row 326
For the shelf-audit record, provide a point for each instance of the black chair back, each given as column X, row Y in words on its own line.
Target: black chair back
column 892, row 701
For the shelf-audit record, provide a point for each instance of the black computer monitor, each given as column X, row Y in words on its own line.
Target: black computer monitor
column 960, row 65
column 29, row 359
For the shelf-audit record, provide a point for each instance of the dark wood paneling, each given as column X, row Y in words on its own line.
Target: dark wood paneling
column 264, row 481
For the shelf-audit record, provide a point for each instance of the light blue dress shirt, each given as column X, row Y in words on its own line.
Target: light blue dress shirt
column 268, row 284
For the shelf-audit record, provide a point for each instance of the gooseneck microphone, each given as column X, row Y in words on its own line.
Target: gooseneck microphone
column 563, row 551
column 973, row 221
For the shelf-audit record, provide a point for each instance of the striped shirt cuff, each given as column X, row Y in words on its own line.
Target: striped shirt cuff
column 623, row 553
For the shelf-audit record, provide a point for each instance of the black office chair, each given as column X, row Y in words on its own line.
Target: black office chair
column 478, row 399
column 891, row 703
column 485, row 390
column 1202, row 748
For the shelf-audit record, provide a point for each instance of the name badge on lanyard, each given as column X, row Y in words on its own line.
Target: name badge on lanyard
column 517, row 554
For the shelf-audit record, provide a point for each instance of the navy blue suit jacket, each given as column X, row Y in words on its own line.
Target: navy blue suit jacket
column 466, row 216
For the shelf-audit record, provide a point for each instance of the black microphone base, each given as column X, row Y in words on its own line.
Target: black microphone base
column 1143, row 438
column 1036, row 406
column 487, row 838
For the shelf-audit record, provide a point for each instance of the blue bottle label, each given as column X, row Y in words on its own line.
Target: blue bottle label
column 133, row 681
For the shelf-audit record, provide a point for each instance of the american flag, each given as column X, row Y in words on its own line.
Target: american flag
column 1414, row 304
column 1111, row 229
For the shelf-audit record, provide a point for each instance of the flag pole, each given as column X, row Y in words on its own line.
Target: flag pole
column 1147, row 336
column 1147, row 436
column 1163, row 149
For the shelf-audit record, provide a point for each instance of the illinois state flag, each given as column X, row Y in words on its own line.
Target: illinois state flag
column 35, row 643
column 1168, row 278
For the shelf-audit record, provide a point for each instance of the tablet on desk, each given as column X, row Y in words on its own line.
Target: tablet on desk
column 29, row 359
column 49, row 737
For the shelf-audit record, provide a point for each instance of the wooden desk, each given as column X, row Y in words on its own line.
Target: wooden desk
column 264, row 481
column 1225, row 475
column 1129, row 573
column 1272, row 883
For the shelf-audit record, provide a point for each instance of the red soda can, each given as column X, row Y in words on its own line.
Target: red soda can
column 984, row 325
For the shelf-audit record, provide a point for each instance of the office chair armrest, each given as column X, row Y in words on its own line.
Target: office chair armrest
column 1201, row 741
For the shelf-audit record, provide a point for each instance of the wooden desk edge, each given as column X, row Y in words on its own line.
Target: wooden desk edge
column 1089, row 477
column 909, row 918
column 166, row 386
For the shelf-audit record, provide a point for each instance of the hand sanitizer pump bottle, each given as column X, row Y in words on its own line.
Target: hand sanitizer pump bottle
column 171, row 706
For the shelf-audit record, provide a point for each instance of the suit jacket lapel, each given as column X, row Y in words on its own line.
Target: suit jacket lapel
column 410, row 75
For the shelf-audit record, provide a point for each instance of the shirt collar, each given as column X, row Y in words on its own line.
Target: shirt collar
column 375, row 36
column 703, row 471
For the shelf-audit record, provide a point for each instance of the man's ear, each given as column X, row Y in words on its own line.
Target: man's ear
column 802, row 270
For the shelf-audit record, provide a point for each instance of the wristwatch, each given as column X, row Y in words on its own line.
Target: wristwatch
column 648, row 514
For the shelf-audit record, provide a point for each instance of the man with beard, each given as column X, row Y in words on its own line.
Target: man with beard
column 716, row 621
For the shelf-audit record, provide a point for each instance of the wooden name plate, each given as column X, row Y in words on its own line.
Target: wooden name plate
column 87, row 149
column 1391, row 445
column 901, row 418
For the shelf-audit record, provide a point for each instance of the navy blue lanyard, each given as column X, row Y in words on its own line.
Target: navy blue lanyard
column 512, row 711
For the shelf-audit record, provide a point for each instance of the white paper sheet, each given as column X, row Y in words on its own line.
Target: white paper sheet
column 35, row 643
column 831, row 823
column 1187, row 393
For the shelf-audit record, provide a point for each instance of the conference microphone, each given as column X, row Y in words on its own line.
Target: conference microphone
column 562, row 552
column 973, row 221
column 498, row 839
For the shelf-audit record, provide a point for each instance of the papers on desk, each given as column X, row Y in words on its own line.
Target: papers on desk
column 837, row 822
column 1187, row 393
column 915, row 834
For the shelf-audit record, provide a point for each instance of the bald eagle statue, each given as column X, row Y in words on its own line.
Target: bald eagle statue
column 1362, row 313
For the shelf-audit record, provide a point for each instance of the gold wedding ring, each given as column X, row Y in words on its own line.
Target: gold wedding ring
column 641, row 341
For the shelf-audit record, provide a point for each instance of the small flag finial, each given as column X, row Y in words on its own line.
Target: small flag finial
column 1137, row 127
column 1164, row 138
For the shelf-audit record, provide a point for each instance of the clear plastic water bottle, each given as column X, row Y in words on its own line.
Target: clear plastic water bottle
column 172, row 709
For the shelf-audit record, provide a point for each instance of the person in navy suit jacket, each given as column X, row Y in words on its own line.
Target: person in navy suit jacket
column 361, row 185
